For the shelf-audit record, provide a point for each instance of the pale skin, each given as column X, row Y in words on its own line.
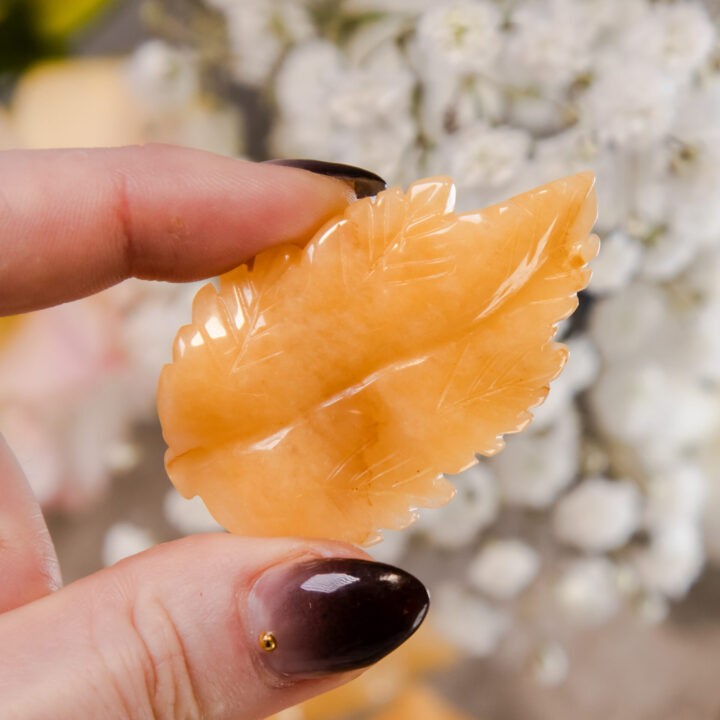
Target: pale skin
column 160, row 635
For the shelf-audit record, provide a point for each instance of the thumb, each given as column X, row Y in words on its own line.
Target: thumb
column 211, row 626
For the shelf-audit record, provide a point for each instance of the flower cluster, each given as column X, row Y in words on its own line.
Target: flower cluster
column 618, row 473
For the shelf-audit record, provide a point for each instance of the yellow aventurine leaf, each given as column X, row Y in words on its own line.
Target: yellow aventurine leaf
column 322, row 391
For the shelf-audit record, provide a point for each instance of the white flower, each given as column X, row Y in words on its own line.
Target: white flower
column 608, row 16
column 544, row 114
column 629, row 105
column 124, row 539
column 675, row 37
column 189, row 516
column 535, row 467
column 692, row 191
column 660, row 413
column 698, row 123
column 394, row 6
column 667, row 255
column 616, row 264
column 259, row 30
column 357, row 115
column 598, row 514
column 673, row 326
column 308, row 76
column 551, row 665
column 587, row 590
column 472, row 624
column 504, row 568
column 672, row 561
column 449, row 105
column 674, row 494
column 628, row 323
column 163, row 77
column 483, row 157
column 463, row 35
column 548, row 45
column 152, row 315
column 473, row 508
column 575, row 150
column 580, row 371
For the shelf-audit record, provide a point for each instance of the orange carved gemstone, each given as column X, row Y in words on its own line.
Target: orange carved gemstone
column 322, row 391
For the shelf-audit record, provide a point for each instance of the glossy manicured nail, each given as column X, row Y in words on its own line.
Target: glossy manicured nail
column 330, row 615
column 363, row 182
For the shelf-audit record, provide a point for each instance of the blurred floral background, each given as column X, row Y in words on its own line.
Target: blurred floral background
column 576, row 574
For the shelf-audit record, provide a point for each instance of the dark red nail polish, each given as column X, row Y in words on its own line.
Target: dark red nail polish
column 363, row 182
column 331, row 615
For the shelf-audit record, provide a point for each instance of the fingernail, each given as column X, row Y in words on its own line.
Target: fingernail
column 363, row 182
column 331, row 615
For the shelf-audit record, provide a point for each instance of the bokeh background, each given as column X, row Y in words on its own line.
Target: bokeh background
column 576, row 574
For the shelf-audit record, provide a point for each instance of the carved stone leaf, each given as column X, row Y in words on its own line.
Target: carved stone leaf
column 323, row 391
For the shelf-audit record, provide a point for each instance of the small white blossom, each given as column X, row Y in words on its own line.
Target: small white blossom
column 577, row 149
column 675, row 37
column 692, row 191
column 543, row 114
column 580, row 371
column 308, row 76
column 629, row 322
column 659, row 412
column 667, row 255
column 462, row 35
column 472, row 624
column 536, row 466
column 357, row 115
column 163, row 77
column 675, row 494
column 189, row 516
column 598, row 514
column 629, row 104
column 124, row 539
column 672, row 561
column 259, row 30
column 504, row 568
column 483, row 157
column 548, row 45
column 473, row 508
column 616, row 264
column 587, row 590
column 551, row 665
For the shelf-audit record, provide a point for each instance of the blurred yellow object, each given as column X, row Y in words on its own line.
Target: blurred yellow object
column 8, row 326
column 76, row 103
column 57, row 18
column 424, row 652
column 420, row 703
column 90, row 102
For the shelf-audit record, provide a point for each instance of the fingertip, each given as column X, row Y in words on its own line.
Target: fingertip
column 181, row 626
column 156, row 212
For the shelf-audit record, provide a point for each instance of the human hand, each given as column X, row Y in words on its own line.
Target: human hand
column 212, row 626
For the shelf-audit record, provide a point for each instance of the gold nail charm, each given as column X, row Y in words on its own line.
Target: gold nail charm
column 267, row 642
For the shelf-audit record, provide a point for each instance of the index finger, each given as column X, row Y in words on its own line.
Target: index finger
column 73, row 222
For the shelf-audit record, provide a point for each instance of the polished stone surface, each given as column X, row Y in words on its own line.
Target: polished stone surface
column 323, row 390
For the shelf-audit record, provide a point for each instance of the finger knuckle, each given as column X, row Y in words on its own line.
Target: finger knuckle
column 165, row 665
